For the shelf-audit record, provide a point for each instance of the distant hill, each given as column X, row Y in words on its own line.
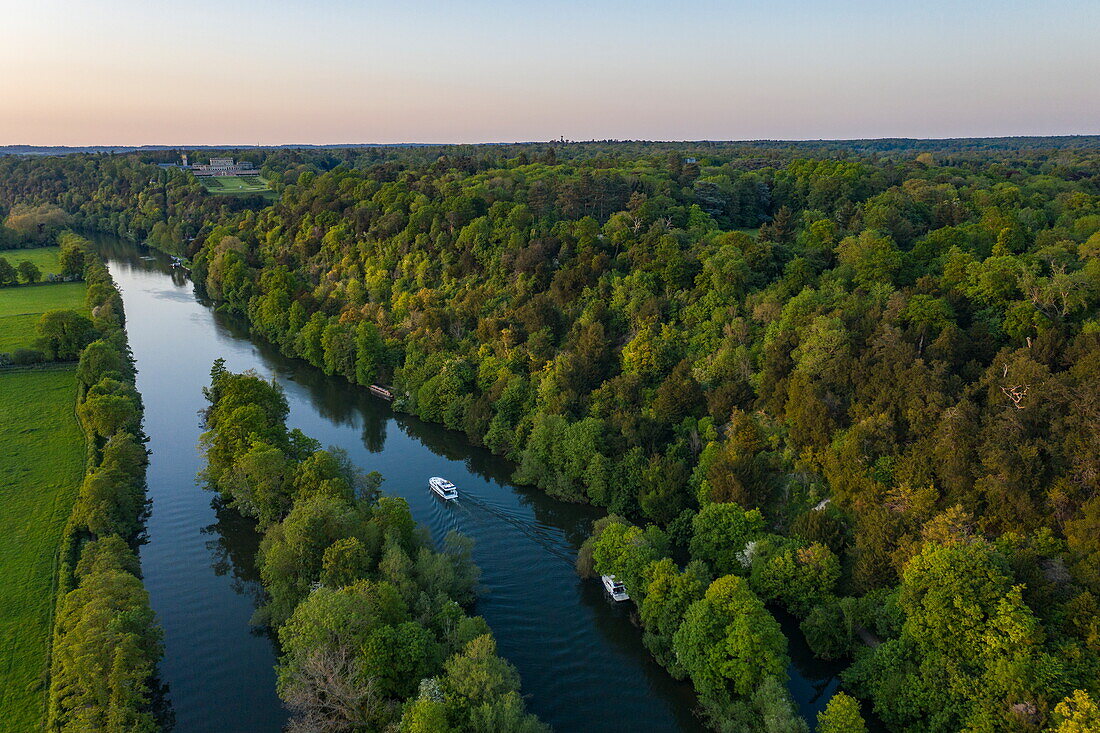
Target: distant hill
column 867, row 145
column 68, row 149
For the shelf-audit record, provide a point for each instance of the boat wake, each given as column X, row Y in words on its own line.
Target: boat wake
column 536, row 533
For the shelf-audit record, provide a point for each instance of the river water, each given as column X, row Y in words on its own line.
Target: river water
column 582, row 662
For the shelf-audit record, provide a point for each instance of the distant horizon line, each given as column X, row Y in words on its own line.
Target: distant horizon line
column 559, row 141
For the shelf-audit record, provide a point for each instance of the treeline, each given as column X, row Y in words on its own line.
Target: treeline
column 370, row 616
column 32, row 225
column 661, row 329
column 106, row 642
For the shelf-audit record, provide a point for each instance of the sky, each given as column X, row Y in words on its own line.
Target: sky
column 129, row 72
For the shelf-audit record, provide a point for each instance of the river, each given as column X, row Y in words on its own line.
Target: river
column 582, row 662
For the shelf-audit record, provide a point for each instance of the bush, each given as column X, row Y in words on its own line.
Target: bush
column 105, row 646
column 72, row 255
column 728, row 642
column 112, row 499
column 797, row 577
column 720, row 533
column 23, row 357
column 841, row 715
column 8, row 274
column 107, row 414
column 29, row 272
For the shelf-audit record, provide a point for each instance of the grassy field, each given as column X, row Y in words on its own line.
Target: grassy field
column 47, row 258
column 21, row 307
column 41, row 466
column 235, row 184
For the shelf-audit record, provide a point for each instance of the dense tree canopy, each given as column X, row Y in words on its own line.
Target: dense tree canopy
column 370, row 616
column 817, row 367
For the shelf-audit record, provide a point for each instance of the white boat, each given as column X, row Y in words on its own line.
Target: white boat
column 443, row 488
column 614, row 588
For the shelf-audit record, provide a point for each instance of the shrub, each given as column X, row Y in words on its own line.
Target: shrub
column 23, row 357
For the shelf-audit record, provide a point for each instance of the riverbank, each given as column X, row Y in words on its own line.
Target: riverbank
column 105, row 641
column 78, row 643
column 199, row 561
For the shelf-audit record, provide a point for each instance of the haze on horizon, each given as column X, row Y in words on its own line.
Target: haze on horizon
column 219, row 72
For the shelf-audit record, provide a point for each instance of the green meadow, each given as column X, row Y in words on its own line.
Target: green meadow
column 235, row 184
column 46, row 258
column 22, row 306
column 41, row 467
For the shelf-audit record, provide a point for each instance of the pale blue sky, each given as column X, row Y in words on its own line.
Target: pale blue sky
column 243, row 71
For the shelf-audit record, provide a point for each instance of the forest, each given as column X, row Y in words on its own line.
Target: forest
column 370, row 616
column 858, row 382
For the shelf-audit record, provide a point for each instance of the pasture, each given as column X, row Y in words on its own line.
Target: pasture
column 41, row 467
column 21, row 307
column 46, row 258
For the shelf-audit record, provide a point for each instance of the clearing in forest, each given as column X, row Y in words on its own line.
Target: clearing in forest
column 41, row 467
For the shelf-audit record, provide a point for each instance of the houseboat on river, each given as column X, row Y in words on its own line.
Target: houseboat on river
column 614, row 588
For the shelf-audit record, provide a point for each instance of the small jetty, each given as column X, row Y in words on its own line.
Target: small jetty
column 379, row 391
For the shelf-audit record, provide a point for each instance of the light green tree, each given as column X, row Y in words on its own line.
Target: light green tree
column 841, row 715
column 720, row 533
column 1078, row 713
column 728, row 642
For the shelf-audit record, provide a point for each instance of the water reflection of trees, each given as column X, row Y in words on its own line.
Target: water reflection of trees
column 233, row 544
column 574, row 520
column 335, row 400
column 615, row 623
column 132, row 256
column 815, row 679
column 161, row 704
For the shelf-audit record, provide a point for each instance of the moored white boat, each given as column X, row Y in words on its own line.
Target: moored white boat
column 443, row 488
column 614, row 588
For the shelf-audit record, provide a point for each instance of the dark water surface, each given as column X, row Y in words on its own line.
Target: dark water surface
column 582, row 663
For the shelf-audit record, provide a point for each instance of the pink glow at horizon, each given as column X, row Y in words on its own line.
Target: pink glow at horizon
column 341, row 72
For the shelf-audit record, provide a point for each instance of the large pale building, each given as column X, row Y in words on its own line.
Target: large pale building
column 224, row 167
